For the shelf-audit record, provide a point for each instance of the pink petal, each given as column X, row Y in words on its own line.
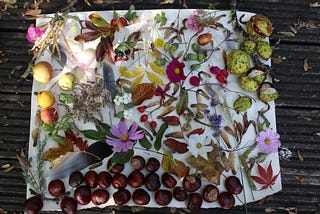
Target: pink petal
column 115, row 131
column 133, row 128
column 123, row 128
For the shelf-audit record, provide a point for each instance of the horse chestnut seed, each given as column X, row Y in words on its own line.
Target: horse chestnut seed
column 191, row 183
column 226, row 200
column 210, row 193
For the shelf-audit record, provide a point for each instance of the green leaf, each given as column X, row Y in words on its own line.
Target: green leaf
column 96, row 19
column 145, row 143
column 161, row 18
column 158, row 141
column 65, row 98
column 261, row 157
column 130, row 15
column 183, row 103
column 57, row 139
column 120, row 114
column 47, row 127
column 122, row 157
column 92, row 134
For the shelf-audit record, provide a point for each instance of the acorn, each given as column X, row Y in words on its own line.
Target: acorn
column 248, row 46
column 264, row 50
column 248, row 84
column 238, row 62
column 259, row 27
column 257, row 73
column 243, row 103
column 267, row 92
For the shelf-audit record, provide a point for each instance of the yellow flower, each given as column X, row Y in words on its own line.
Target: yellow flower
column 159, row 43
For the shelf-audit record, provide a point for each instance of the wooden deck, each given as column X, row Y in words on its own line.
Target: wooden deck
column 296, row 66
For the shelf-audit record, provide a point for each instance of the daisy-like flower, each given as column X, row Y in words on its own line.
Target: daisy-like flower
column 33, row 34
column 124, row 137
column 159, row 43
column 199, row 145
column 268, row 141
column 175, row 71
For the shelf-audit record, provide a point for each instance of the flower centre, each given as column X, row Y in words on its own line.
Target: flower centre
column 176, row 70
column 267, row 141
column 124, row 138
column 199, row 145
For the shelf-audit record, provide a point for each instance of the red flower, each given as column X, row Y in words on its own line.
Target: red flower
column 175, row 71
column 221, row 75
column 162, row 92
column 195, row 81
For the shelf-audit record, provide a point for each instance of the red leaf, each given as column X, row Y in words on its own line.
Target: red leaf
column 266, row 178
column 90, row 25
column 196, row 131
column 171, row 120
column 176, row 146
column 87, row 37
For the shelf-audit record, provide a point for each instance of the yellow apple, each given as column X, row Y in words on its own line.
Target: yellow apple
column 42, row 72
column 45, row 99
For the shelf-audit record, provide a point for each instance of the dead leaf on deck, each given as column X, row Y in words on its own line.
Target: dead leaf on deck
column 300, row 157
column 314, row 4
column 270, row 210
column 142, row 92
column 305, row 118
column 287, row 33
column 299, row 179
column 3, row 59
column 291, row 210
column 305, row 64
column 31, row 12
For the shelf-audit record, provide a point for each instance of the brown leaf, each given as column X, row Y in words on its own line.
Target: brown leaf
column 55, row 152
column 305, row 64
column 291, row 210
column 78, row 141
column 299, row 179
column 300, row 157
column 314, row 4
column 35, row 135
column 226, row 139
column 176, row 134
column 3, row 59
column 228, row 162
column 287, row 33
column 142, row 92
column 231, row 132
column 31, row 12
column 179, row 168
column 176, row 146
column 166, row 111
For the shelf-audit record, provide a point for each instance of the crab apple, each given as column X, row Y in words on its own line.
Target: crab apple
column 49, row 115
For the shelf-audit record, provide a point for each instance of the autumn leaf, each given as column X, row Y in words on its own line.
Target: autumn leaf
column 55, row 152
column 78, row 141
column 142, row 92
column 154, row 78
column 176, row 146
column 131, row 73
column 173, row 165
column 266, row 178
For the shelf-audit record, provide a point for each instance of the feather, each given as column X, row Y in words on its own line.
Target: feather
column 59, row 55
column 108, row 78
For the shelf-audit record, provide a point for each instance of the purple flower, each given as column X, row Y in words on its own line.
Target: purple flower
column 193, row 23
column 268, row 141
column 215, row 121
column 34, row 33
column 175, row 71
column 124, row 137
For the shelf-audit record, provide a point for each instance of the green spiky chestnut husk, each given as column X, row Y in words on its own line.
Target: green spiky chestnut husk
column 264, row 50
column 248, row 46
column 238, row 62
column 257, row 73
column 242, row 104
column 267, row 92
column 259, row 27
column 248, row 84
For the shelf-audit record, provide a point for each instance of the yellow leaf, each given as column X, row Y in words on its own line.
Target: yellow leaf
column 130, row 74
column 154, row 78
column 137, row 81
column 55, row 152
column 158, row 69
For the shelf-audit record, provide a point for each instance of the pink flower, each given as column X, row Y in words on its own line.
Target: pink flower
column 221, row 75
column 268, row 141
column 34, row 33
column 175, row 71
column 194, row 81
column 124, row 137
column 193, row 23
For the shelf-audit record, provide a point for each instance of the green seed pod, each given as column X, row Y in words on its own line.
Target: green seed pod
column 196, row 47
column 174, row 46
column 195, row 67
column 248, row 46
column 257, row 73
column 192, row 56
column 264, row 50
column 238, row 62
column 267, row 92
column 243, row 103
column 248, row 84
column 201, row 57
column 166, row 46
column 160, row 61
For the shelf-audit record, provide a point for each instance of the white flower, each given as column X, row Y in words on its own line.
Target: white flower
column 128, row 114
column 127, row 98
column 198, row 145
column 117, row 100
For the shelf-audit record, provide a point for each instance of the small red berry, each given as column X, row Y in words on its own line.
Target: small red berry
column 123, row 21
column 141, row 109
column 113, row 23
column 153, row 124
column 144, row 118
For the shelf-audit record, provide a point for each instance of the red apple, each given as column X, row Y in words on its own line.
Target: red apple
column 49, row 115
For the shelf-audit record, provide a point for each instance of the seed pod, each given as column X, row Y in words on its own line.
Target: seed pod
column 257, row 73
column 238, row 62
column 243, row 103
column 267, row 92
column 248, row 84
column 264, row 50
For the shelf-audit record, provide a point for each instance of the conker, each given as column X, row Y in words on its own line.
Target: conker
column 122, row 196
column 226, row 200
column 180, row 194
column 104, row 179
column 233, row 185
column 210, row 193
column 138, row 162
column 33, row 205
column 119, row 181
column 152, row 165
column 141, row 197
column 163, row 197
column 82, row 195
column 56, row 188
column 152, row 181
column 68, row 205
column 194, row 202
column 168, row 180
column 115, row 168
column 191, row 183
column 100, row 196
column 75, row 179
column 135, row 179
column 91, row 178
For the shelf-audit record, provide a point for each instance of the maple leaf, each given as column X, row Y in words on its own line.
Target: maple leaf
column 266, row 178
column 78, row 141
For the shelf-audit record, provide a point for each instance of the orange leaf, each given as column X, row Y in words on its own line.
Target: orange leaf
column 142, row 92
column 55, row 152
